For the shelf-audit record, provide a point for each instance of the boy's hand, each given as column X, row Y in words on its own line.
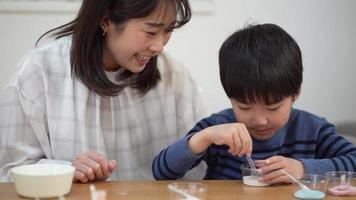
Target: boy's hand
column 271, row 169
column 92, row 166
column 234, row 135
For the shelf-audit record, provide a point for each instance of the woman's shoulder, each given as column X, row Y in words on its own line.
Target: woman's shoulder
column 51, row 57
column 51, row 52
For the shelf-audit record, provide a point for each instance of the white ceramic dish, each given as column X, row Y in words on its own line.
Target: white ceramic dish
column 43, row 180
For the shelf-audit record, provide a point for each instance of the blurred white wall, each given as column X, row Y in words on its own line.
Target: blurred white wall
column 324, row 29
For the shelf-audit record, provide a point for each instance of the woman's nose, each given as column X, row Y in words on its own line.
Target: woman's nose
column 159, row 42
column 157, row 46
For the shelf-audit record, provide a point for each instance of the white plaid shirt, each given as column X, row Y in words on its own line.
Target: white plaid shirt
column 47, row 115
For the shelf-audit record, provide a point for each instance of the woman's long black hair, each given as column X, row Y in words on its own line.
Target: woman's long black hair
column 86, row 55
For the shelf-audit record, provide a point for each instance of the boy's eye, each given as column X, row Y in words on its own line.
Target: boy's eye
column 244, row 108
column 273, row 108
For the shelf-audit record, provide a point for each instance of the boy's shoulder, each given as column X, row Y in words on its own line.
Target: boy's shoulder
column 306, row 119
column 306, row 115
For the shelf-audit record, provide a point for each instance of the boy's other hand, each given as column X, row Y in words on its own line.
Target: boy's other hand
column 271, row 169
column 234, row 135
column 92, row 166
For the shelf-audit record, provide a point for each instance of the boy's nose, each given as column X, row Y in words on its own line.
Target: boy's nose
column 259, row 120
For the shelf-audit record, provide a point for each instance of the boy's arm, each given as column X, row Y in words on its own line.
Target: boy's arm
column 333, row 153
column 174, row 161
column 177, row 159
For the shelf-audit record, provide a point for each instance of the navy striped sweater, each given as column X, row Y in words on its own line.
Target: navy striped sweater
column 305, row 137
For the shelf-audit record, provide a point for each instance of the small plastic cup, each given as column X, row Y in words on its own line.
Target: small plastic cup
column 250, row 176
column 196, row 189
column 338, row 179
column 317, row 185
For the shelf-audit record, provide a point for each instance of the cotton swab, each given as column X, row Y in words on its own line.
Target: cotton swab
column 295, row 180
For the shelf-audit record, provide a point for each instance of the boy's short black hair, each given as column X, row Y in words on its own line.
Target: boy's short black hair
column 260, row 63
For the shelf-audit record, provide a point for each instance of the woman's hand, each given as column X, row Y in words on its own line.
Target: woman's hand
column 271, row 169
column 234, row 135
column 92, row 166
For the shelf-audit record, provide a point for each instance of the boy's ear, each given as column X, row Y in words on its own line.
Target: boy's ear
column 295, row 97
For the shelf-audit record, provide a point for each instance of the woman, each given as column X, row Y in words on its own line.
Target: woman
column 101, row 96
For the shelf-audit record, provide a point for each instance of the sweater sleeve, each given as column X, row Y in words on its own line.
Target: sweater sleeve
column 174, row 161
column 177, row 159
column 333, row 153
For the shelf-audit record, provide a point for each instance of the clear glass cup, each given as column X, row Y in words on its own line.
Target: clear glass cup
column 250, row 176
column 196, row 189
column 317, row 184
column 340, row 178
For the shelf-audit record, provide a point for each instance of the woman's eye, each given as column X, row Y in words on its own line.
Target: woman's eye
column 151, row 33
column 169, row 30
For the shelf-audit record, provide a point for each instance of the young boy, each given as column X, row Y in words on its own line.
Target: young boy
column 261, row 72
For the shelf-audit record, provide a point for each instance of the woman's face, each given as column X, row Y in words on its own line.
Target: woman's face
column 134, row 43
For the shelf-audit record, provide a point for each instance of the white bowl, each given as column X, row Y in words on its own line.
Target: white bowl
column 43, row 180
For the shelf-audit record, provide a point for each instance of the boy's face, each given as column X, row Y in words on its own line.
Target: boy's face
column 261, row 120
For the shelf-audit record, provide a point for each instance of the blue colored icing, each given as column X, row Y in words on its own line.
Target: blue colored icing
column 309, row 194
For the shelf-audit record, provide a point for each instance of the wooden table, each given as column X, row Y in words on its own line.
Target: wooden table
column 137, row 190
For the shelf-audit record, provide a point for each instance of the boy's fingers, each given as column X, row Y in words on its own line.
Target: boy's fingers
column 269, row 177
column 279, row 179
column 231, row 143
column 268, row 169
column 274, row 159
column 246, row 142
column 260, row 163
column 237, row 143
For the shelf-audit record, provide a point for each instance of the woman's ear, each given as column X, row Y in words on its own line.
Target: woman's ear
column 104, row 23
